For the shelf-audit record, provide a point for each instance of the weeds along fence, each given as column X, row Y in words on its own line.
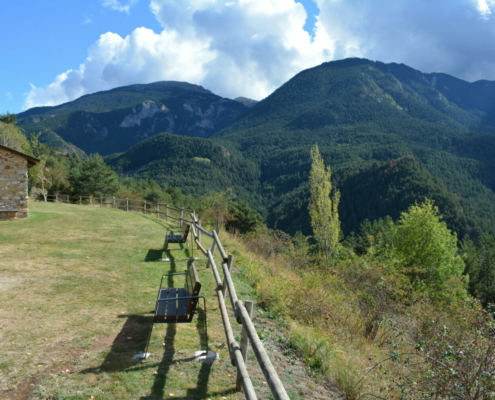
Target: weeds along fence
column 224, row 287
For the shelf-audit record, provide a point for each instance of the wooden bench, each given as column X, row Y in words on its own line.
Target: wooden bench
column 177, row 238
column 177, row 305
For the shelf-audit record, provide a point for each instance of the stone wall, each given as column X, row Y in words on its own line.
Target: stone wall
column 13, row 183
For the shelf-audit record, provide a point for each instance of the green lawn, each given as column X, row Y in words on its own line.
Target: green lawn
column 77, row 285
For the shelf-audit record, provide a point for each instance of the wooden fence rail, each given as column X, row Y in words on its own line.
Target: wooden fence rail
column 223, row 287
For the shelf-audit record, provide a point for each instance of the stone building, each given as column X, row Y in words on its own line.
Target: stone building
column 14, row 183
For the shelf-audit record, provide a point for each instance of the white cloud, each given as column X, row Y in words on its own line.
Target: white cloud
column 448, row 36
column 485, row 7
column 119, row 5
column 113, row 61
column 251, row 47
column 234, row 48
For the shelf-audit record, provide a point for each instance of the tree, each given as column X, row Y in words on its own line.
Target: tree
column 155, row 194
column 480, row 267
column 243, row 218
column 37, row 176
column 323, row 210
column 8, row 118
column 12, row 137
column 215, row 208
column 37, row 148
column 426, row 250
column 94, row 178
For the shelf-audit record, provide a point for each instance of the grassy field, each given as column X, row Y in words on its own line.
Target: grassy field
column 77, row 288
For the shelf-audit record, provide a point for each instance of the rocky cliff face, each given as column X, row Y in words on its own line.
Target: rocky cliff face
column 113, row 121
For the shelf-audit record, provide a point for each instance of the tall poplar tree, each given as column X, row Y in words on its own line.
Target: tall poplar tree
column 323, row 209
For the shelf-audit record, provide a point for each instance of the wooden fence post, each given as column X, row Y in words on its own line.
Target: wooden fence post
column 229, row 267
column 244, row 344
column 212, row 250
column 101, row 198
column 157, row 210
column 127, row 204
column 199, row 232
column 181, row 217
column 144, row 207
column 166, row 212
column 80, row 200
column 90, row 199
column 113, row 205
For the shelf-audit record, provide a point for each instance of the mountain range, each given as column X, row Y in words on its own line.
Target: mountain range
column 114, row 120
column 391, row 134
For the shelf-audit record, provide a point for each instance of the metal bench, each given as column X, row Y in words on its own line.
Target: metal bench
column 177, row 238
column 177, row 305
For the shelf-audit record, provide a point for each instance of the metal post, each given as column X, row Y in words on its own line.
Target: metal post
column 244, row 344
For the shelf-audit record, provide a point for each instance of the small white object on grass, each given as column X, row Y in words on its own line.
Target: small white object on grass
column 141, row 356
column 164, row 259
column 201, row 355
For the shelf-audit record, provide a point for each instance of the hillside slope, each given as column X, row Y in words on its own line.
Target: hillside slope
column 358, row 112
column 112, row 121
column 196, row 165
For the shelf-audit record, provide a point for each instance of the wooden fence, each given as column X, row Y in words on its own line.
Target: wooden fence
column 224, row 286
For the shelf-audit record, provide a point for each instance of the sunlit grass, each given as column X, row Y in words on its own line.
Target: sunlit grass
column 77, row 285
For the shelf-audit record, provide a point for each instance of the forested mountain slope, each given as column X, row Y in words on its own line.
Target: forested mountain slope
column 112, row 121
column 195, row 165
column 362, row 114
column 358, row 112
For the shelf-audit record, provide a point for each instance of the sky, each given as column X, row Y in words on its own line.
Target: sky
column 54, row 51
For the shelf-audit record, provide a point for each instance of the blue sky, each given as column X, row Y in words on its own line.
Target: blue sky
column 54, row 51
